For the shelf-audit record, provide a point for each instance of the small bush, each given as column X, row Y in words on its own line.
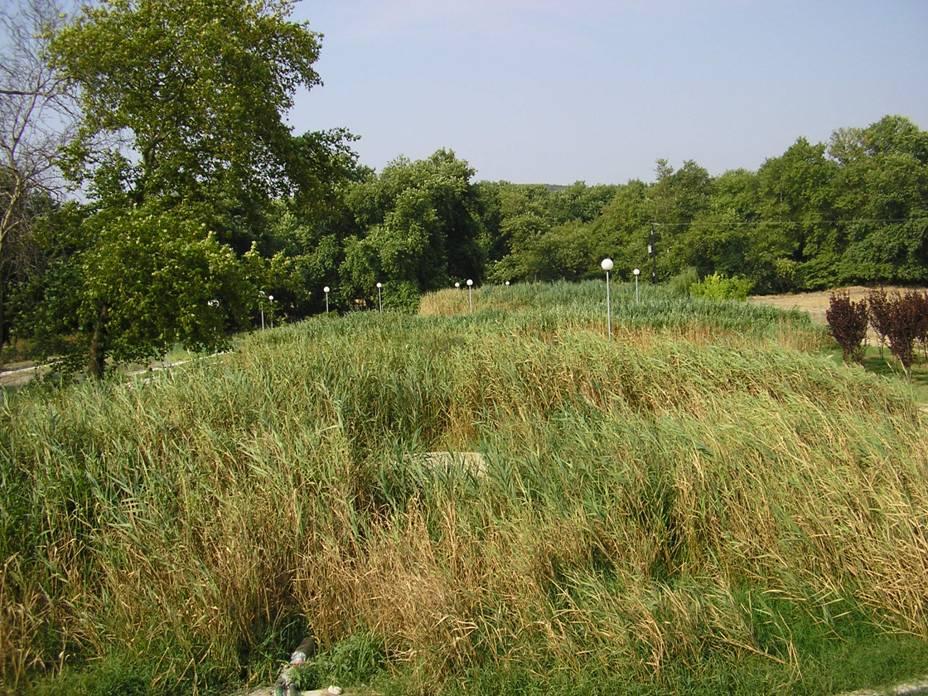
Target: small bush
column 719, row 287
column 355, row 660
column 681, row 283
column 113, row 676
column 908, row 321
column 878, row 305
column 402, row 296
column 848, row 323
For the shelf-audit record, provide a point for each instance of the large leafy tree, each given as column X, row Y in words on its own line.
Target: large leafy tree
column 138, row 279
column 881, row 190
column 196, row 89
column 182, row 139
column 535, row 231
column 419, row 226
column 797, row 212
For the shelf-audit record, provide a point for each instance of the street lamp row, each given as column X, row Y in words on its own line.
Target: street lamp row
column 607, row 265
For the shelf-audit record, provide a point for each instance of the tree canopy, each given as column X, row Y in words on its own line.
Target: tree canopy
column 853, row 210
column 199, row 202
column 182, row 140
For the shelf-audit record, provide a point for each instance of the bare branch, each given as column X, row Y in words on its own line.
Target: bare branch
column 36, row 109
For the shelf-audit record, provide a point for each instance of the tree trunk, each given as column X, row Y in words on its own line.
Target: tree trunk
column 4, row 330
column 97, row 358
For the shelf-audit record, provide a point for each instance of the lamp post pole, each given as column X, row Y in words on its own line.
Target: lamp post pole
column 379, row 297
column 270, row 298
column 470, row 289
column 637, row 273
column 326, row 291
column 606, row 265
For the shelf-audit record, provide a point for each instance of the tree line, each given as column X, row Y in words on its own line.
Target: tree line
column 197, row 203
column 852, row 210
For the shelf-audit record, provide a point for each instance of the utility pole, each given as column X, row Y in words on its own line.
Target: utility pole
column 652, row 252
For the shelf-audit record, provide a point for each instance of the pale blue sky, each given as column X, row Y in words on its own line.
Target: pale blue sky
column 555, row 92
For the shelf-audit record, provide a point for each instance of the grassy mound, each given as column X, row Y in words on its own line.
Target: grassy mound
column 696, row 505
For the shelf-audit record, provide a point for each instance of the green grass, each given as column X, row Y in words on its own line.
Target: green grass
column 883, row 363
column 706, row 503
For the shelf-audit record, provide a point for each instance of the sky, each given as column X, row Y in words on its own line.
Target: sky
column 545, row 91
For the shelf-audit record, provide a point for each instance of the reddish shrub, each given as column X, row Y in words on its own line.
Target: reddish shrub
column 848, row 323
column 908, row 321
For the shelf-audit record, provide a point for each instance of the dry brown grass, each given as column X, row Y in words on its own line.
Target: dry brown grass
column 639, row 495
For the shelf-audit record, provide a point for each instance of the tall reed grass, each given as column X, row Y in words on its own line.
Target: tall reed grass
column 691, row 493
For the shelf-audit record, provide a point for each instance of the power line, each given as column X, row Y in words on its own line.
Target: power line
column 774, row 223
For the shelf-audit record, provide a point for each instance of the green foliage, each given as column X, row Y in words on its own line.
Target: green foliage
column 534, row 232
column 817, row 216
column 402, row 297
column 720, row 287
column 682, row 282
column 139, row 281
column 352, row 661
column 200, row 88
column 113, row 676
column 196, row 94
column 418, row 224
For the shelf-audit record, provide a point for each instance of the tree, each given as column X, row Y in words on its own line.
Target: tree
column 796, row 199
column 676, row 198
column 138, row 280
column 182, row 140
column 197, row 89
column 882, row 191
column 35, row 120
column 420, row 226
column 621, row 232
column 847, row 321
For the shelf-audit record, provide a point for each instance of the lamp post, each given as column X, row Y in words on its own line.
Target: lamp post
column 637, row 273
column 261, row 298
column 379, row 297
column 606, row 265
column 470, row 290
column 457, row 284
column 326, row 291
column 270, row 298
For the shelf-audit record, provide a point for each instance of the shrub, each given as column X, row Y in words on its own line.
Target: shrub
column 401, row 296
column 719, row 287
column 355, row 660
column 681, row 283
column 848, row 323
column 908, row 321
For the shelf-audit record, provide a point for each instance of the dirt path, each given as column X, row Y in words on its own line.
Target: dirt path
column 20, row 376
column 816, row 303
column 17, row 377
